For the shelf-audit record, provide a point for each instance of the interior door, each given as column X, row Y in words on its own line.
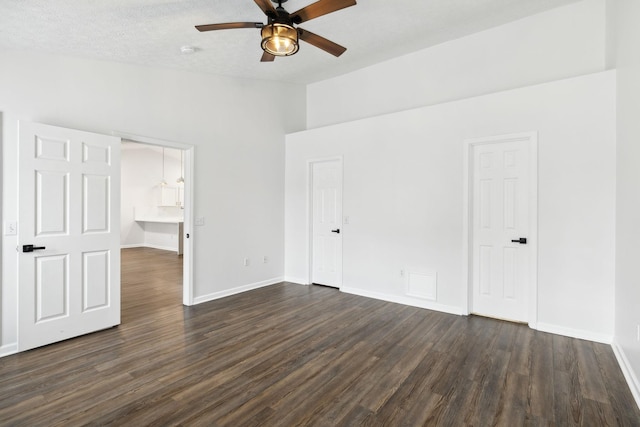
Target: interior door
column 69, row 210
column 501, row 229
column 327, row 223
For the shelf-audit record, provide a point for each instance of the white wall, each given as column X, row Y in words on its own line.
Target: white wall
column 141, row 173
column 626, row 46
column 239, row 152
column 4, row 303
column 562, row 42
column 403, row 194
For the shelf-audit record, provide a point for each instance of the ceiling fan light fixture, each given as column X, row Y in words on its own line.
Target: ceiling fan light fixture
column 279, row 39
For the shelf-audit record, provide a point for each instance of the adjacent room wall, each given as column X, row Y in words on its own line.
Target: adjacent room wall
column 560, row 43
column 141, row 174
column 403, row 195
column 239, row 153
column 626, row 54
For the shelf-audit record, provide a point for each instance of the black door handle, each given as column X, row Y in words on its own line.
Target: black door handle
column 522, row 241
column 31, row 248
column 337, row 230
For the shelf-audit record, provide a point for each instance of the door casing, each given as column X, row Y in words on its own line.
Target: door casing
column 532, row 140
column 189, row 159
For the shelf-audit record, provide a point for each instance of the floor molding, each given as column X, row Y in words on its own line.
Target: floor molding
column 8, row 349
column 135, row 245
column 413, row 302
column 296, row 280
column 145, row 245
column 574, row 333
column 237, row 290
column 627, row 371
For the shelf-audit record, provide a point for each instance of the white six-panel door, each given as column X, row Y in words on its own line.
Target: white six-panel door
column 500, row 199
column 327, row 223
column 69, row 210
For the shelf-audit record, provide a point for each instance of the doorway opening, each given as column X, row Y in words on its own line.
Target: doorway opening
column 156, row 208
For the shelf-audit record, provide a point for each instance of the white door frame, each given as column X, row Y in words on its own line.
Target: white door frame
column 467, row 212
column 310, row 164
column 189, row 160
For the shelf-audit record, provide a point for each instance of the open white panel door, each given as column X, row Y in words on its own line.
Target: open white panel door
column 68, row 236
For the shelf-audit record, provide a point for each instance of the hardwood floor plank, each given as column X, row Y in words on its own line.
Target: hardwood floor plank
column 591, row 381
column 416, row 384
column 306, row 355
column 360, row 416
column 568, row 400
column 327, row 364
column 622, row 403
column 541, row 378
column 520, row 360
column 484, row 413
column 599, row 414
column 512, row 402
column 564, row 356
column 377, row 383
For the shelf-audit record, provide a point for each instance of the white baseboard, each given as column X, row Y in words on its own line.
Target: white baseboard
column 627, row 371
column 296, row 280
column 413, row 302
column 144, row 245
column 8, row 349
column 236, row 290
column 574, row 333
column 164, row 248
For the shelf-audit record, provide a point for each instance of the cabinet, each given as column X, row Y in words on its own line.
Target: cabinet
column 171, row 196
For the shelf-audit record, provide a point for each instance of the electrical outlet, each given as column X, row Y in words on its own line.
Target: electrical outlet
column 401, row 273
column 638, row 332
column 246, row 262
column 265, row 259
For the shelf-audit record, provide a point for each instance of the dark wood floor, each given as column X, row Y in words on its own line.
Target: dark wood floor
column 293, row 355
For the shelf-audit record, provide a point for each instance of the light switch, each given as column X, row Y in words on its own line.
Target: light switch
column 199, row 220
column 10, row 228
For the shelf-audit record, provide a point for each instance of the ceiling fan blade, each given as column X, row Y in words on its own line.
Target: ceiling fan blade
column 267, row 8
column 319, row 8
column 320, row 42
column 229, row 26
column 267, row 57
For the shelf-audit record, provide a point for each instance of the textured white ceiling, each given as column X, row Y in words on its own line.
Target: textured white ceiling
column 151, row 32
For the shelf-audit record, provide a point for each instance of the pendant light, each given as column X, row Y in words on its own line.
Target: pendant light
column 181, row 179
column 163, row 183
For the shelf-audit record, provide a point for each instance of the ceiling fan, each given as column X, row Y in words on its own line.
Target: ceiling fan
column 279, row 35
